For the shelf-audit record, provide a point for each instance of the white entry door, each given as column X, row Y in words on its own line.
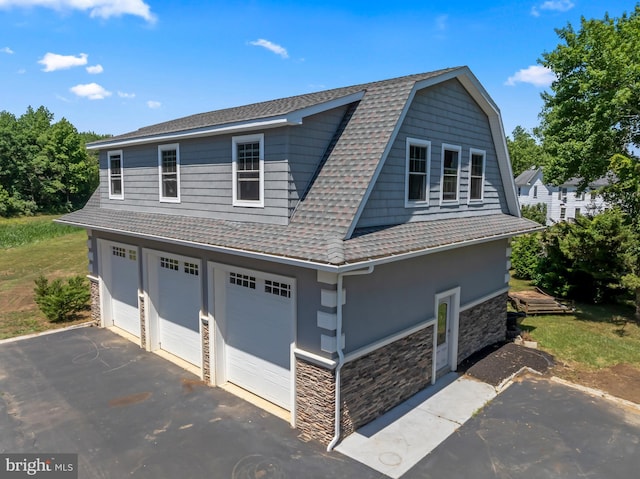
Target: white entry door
column 177, row 303
column 259, row 333
column 443, row 333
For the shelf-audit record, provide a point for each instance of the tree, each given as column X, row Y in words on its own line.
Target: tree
column 593, row 111
column 537, row 212
column 524, row 151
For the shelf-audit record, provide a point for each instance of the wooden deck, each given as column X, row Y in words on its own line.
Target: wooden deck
column 538, row 302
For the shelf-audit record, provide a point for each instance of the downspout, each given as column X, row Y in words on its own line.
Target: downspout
column 340, row 297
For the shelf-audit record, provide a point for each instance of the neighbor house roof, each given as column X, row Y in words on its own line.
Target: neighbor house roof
column 323, row 226
column 527, row 177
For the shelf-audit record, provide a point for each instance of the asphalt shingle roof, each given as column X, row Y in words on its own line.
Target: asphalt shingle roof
column 318, row 229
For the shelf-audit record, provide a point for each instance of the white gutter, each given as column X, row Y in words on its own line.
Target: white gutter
column 340, row 297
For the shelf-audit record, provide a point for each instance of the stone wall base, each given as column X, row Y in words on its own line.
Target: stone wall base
column 315, row 402
column 94, row 285
column 482, row 325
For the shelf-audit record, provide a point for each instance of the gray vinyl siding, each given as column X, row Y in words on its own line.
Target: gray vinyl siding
column 441, row 114
column 292, row 155
column 399, row 295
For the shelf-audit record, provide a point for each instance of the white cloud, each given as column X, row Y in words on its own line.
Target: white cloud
column 536, row 75
column 95, row 69
column 53, row 61
column 441, row 22
column 154, row 104
column 96, row 8
column 92, row 91
column 7, row 50
column 554, row 6
column 273, row 47
column 122, row 94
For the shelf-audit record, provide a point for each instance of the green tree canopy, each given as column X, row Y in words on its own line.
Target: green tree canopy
column 593, row 110
column 524, row 150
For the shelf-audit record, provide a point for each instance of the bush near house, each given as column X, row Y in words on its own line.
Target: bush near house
column 61, row 301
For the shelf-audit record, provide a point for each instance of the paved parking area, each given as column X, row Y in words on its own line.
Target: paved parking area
column 129, row 413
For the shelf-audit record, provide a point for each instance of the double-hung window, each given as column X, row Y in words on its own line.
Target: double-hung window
column 450, row 173
column 418, row 153
column 476, row 175
column 248, row 170
column 116, row 175
column 169, row 173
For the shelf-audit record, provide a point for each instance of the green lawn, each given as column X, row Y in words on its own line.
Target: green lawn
column 44, row 248
column 594, row 337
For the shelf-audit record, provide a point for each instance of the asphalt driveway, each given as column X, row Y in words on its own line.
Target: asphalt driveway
column 129, row 413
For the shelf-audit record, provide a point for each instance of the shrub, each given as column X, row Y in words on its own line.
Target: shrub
column 537, row 212
column 526, row 251
column 61, row 301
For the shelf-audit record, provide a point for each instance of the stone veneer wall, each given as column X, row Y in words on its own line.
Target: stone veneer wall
column 375, row 383
column 482, row 325
column 143, row 323
column 94, row 285
column 206, row 364
column 315, row 402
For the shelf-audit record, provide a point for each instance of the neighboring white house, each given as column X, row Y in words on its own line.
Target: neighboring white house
column 563, row 202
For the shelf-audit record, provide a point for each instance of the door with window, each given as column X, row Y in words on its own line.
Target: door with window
column 443, row 332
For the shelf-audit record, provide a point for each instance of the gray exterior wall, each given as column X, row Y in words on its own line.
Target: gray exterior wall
column 292, row 155
column 399, row 295
column 444, row 113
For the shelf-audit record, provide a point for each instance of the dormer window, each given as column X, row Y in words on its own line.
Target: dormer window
column 476, row 176
column 418, row 153
column 248, row 170
column 169, row 172
column 116, row 183
column 450, row 173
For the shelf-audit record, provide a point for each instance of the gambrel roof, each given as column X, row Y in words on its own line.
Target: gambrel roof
column 322, row 229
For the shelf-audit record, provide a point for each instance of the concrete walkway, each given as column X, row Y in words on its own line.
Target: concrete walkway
column 396, row 441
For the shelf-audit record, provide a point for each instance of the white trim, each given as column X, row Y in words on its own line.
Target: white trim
column 417, row 203
column 290, row 119
column 458, row 149
column 169, row 147
column 314, row 358
column 235, row 141
column 109, row 154
column 483, row 153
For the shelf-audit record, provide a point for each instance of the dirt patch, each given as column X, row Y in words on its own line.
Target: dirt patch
column 498, row 362
column 621, row 380
column 129, row 400
column 188, row 385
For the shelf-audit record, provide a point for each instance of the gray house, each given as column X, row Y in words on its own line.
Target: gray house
column 332, row 253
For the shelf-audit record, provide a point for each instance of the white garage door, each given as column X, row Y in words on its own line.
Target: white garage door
column 178, row 307
column 259, row 332
column 123, row 287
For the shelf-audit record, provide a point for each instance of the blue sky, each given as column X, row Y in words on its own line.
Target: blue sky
column 112, row 66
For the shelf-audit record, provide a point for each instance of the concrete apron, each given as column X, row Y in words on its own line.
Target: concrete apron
column 393, row 443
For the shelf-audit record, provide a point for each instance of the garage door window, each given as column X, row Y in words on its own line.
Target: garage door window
column 169, row 263
column 243, row 280
column 118, row 251
column 279, row 289
column 191, row 268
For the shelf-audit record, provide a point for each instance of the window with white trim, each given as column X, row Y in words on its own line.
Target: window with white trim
column 418, row 153
column 535, row 191
column 476, row 175
column 116, row 176
column 248, row 170
column 169, row 172
column 450, row 172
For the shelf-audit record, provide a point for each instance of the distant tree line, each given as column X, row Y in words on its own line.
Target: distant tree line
column 44, row 166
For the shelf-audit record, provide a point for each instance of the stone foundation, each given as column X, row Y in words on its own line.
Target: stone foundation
column 315, row 402
column 379, row 381
column 482, row 325
column 143, row 323
column 206, row 364
column 94, row 285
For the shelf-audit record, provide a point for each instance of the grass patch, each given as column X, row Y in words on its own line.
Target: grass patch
column 27, row 230
column 594, row 337
column 58, row 257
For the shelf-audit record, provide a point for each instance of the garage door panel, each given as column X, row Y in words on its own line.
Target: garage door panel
column 178, row 308
column 123, row 288
column 259, row 333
